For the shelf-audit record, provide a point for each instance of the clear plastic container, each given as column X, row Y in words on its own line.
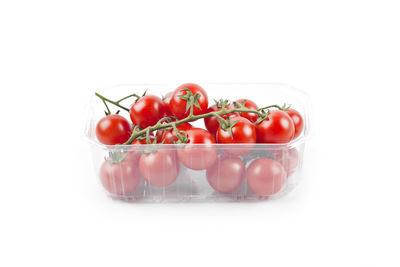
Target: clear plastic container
column 201, row 185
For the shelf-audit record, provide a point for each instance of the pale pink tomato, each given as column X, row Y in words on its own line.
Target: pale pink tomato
column 160, row 168
column 121, row 178
column 265, row 177
column 227, row 174
column 200, row 152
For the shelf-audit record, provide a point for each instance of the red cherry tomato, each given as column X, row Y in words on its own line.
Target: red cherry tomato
column 227, row 174
column 166, row 99
column 147, row 111
column 169, row 137
column 159, row 135
column 143, row 141
column 265, row 177
column 251, row 105
column 160, row 168
column 212, row 123
column 121, row 178
column 277, row 128
column 113, row 129
column 198, row 157
column 289, row 158
column 178, row 105
column 297, row 120
column 243, row 132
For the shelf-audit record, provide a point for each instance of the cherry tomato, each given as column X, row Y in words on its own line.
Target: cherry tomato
column 251, row 105
column 212, row 123
column 265, row 177
column 198, row 157
column 160, row 168
column 169, row 137
column 113, row 129
column 121, row 178
column 166, row 99
column 178, row 105
column 277, row 128
column 243, row 132
column 289, row 158
column 227, row 174
column 147, row 111
column 159, row 135
column 143, row 141
column 297, row 120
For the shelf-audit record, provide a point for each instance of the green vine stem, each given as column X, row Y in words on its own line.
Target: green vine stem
column 112, row 102
column 126, row 97
column 283, row 108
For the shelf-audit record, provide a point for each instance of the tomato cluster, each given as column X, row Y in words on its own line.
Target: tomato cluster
column 226, row 123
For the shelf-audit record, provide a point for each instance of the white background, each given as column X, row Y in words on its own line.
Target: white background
column 344, row 54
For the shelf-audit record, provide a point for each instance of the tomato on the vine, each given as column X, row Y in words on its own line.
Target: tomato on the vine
column 159, row 168
column 147, row 111
column 212, row 123
column 297, row 120
column 265, row 177
column 121, row 178
column 169, row 137
column 243, row 132
column 253, row 117
column 277, row 128
column 227, row 174
column 178, row 105
column 198, row 157
column 113, row 129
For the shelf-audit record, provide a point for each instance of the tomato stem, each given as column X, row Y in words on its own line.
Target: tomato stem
column 126, row 97
column 148, row 141
column 283, row 108
column 108, row 112
column 191, row 106
column 112, row 102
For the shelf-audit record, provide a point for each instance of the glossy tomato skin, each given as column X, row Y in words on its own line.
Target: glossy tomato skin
column 121, row 178
column 198, row 157
column 113, row 129
column 169, row 137
column 277, row 128
column 147, row 111
column 265, row 177
column 227, row 174
column 251, row 105
column 160, row 168
column 177, row 105
column 297, row 120
column 166, row 99
column 212, row 123
column 243, row 132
